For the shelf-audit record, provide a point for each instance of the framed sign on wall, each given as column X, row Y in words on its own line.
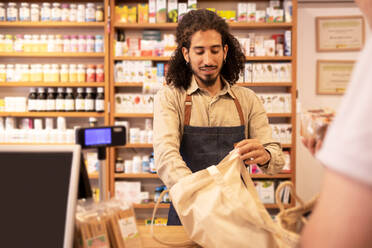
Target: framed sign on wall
column 333, row 76
column 339, row 33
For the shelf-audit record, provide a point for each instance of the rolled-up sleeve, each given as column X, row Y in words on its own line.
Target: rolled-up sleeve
column 167, row 136
column 259, row 128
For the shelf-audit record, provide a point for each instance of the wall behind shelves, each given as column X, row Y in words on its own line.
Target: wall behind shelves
column 309, row 170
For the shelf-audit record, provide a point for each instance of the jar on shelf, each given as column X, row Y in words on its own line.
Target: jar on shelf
column 56, row 12
column 73, row 13
column 2, row 73
column 25, row 76
column 35, row 12
column 2, row 43
column 2, row 12
column 43, row 43
column 90, row 43
column 90, row 12
column 91, row 73
column 100, row 73
column 17, row 73
column 24, row 12
column 73, row 73
column 98, row 44
column 119, row 165
column 46, row 12
column 47, row 73
column 81, row 73
column 54, row 73
column 36, row 73
column 99, row 13
column 51, row 43
column 82, row 44
column 18, row 43
column 65, row 12
column 80, row 13
column 35, row 43
column 64, row 74
column 27, row 43
column 58, row 43
column 66, row 44
column 74, row 43
column 10, row 73
column 8, row 43
column 12, row 12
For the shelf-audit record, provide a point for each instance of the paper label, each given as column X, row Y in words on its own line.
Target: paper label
column 128, row 227
column 98, row 242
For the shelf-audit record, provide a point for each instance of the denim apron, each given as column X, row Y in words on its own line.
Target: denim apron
column 205, row 146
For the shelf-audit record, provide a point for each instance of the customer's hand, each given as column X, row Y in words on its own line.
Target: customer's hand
column 312, row 144
column 252, row 152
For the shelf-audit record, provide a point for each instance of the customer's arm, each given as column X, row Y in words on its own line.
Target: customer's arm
column 343, row 216
column 167, row 136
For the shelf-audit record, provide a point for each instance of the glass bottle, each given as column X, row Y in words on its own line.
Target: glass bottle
column 100, row 100
column 90, row 12
column 69, row 101
column 98, row 44
column 80, row 13
column 35, row 12
column 60, row 100
column 99, row 13
column 25, row 77
column 41, row 100
column 89, row 100
column 80, row 100
column 82, row 44
column 51, row 100
column 31, row 105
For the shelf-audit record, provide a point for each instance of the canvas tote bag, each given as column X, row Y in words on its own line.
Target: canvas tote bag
column 220, row 207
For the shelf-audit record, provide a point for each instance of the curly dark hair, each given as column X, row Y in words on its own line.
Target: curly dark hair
column 179, row 73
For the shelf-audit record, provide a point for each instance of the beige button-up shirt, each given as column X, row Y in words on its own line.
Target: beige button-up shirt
column 206, row 111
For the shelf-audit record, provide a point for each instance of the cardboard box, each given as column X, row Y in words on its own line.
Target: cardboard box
column 161, row 11
column 242, row 12
column 121, row 13
column 172, row 11
column 152, row 11
column 143, row 13
column 182, row 10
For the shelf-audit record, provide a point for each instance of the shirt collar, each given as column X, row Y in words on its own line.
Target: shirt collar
column 194, row 87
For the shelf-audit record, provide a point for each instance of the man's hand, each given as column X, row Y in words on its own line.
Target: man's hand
column 312, row 144
column 252, row 152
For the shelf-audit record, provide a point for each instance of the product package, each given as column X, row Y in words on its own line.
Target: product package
column 315, row 122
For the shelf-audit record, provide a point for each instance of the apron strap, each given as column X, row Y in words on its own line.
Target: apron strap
column 188, row 104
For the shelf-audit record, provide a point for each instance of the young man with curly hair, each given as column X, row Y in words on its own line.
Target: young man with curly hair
column 201, row 114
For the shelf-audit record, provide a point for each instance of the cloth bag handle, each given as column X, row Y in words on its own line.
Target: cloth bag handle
column 185, row 243
column 293, row 194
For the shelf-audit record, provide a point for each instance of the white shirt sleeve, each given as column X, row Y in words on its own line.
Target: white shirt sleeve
column 347, row 146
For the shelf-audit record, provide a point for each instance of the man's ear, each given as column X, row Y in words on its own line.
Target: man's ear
column 225, row 49
column 185, row 53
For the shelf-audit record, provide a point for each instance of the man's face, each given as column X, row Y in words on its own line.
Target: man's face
column 206, row 56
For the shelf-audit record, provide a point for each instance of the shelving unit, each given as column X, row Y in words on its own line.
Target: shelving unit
column 281, row 87
column 18, row 88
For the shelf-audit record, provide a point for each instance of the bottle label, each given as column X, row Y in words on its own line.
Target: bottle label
column 51, row 104
column 41, row 104
column 89, row 105
column 69, row 104
column 31, row 104
column 100, row 105
column 80, row 104
column 60, row 104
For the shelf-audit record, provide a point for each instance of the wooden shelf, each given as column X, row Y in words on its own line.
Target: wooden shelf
column 136, row 175
column 268, row 58
column 275, row 206
column 266, row 84
column 52, row 114
column 51, row 24
column 37, row 144
column 127, row 84
column 153, row 58
column 286, row 145
column 287, row 115
column 151, row 205
column 134, row 115
column 233, row 25
column 136, row 145
column 150, row 175
column 48, row 84
column 51, row 54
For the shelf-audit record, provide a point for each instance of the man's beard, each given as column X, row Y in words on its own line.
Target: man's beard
column 209, row 81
